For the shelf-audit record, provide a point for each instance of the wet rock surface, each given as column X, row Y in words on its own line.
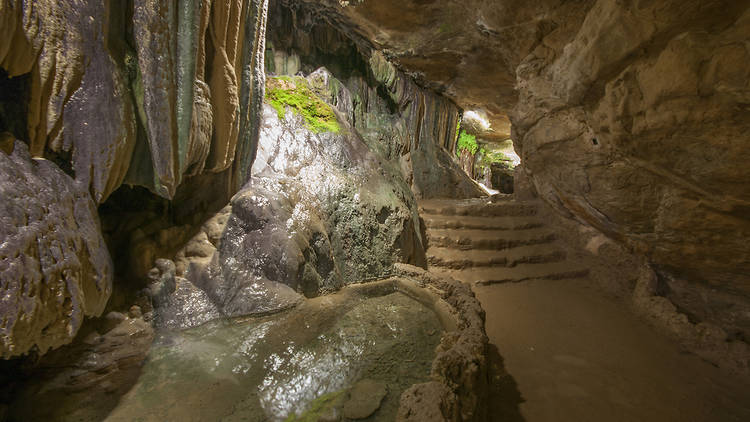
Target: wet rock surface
column 121, row 92
column 55, row 269
column 364, row 399
column 84, row 379
column 317, row 214
column 655, row 162
column 290, row 364
column 410, row 127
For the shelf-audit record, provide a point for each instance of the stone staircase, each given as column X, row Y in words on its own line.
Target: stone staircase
column 487, row 241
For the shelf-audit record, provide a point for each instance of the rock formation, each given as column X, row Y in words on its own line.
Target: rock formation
column 55, row 269
column 630, row 117
column 143, row 92
column 400, row 119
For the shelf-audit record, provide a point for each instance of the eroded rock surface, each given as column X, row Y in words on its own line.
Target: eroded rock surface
column 86, row 378
column 54, row 266
column 141, row 92
column 405, row 123
column 636, row 123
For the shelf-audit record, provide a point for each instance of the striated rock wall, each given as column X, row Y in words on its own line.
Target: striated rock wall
column 151, row 109
column 54, row 267
column 141, row 92
column 406, row 123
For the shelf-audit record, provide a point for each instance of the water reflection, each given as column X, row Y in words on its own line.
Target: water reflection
column 268, row 368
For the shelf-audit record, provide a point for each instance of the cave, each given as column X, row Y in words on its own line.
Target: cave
column 376, row 210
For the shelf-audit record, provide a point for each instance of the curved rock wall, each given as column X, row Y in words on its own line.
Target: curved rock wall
column 161, row 95
column 406, row 123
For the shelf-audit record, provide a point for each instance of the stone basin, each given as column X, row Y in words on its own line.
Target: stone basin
column 293, row 363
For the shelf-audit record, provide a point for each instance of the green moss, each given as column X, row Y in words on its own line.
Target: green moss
column 318, row 407
column 466, row 142
column 487, row 158
column 297, row 95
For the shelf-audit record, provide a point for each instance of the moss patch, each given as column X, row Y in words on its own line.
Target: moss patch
column 318, row 407
column 283, row 92
column 467, row 142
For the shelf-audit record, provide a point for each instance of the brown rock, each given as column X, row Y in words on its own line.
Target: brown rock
column 364, row 399
column 54, row 266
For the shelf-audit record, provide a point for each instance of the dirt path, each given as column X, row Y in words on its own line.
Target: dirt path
column 571, row 352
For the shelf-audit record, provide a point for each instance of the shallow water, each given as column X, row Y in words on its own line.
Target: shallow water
column 268, row 368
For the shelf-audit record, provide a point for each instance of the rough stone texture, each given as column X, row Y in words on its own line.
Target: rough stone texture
column 636, row 123
column 402, row 121
column 459, row 391
column 629, row 115
column 467, row 49
column 86, row 378
column 54, row 266
column 352, row 214
column 321, row 211
column 364, row 399
column 118, row 90
column 185, row 307
column 72, row 75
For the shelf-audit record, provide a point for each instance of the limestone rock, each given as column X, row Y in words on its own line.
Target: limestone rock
column 629, row 116
column 657, row 162
column 54, row 268
column 187, row 307
column 86, row 378
column 407, row 125
column 364, row 399
column 139, row 112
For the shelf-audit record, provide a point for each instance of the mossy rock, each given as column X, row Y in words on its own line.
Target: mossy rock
column 466, row 142
column 319, row 407
column 295, row 93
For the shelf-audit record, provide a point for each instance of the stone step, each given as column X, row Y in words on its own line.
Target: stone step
column 472, row 222
column 477, row 208
column 523, row 272
column 460, row 259
column 487, row 239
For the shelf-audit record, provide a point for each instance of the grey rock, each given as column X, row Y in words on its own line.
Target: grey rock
column 161, row 281
column 187, row 307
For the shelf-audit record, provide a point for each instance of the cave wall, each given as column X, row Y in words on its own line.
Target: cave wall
column 55, row 269
column 630, row 116
column 141, row 92
column 149, row 110
column 636, row 123
column 405, row 122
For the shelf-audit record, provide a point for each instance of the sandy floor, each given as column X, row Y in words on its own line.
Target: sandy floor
column 574, row 354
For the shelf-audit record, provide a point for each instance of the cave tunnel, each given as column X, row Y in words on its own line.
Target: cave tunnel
column 414, row 210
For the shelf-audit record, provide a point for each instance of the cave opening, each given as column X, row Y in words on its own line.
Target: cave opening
column 486, row 156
